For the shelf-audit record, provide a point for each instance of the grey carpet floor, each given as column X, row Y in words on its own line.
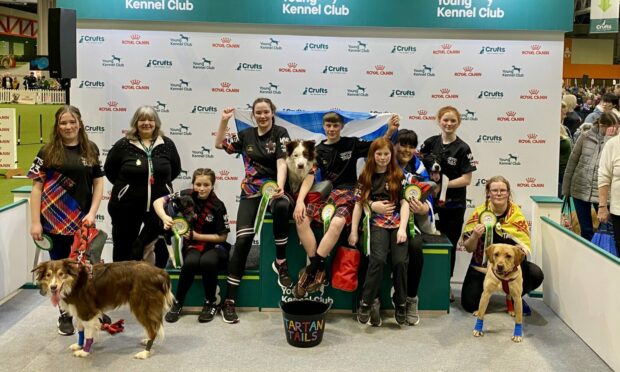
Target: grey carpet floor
column 29, row 342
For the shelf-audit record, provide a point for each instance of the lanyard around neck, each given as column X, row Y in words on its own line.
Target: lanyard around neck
column 149, row 158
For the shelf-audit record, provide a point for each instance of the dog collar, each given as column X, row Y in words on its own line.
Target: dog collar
column 506, row 281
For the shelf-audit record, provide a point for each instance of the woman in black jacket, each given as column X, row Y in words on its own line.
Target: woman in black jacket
column 141, row 168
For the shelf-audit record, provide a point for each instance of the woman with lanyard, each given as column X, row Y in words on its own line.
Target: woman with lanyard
column 263, row 150
column 498, row 220
column 141, row 168
column 457, row 165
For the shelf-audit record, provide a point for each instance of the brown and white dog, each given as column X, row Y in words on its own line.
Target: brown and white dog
column 300, row 158
column 503, row 273
column 86, row 294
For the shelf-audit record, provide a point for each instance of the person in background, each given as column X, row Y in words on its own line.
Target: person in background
column 457, row 163
column 204, row 245
column 609, row 187
column 141, row 167
column 572, row 120
column 566, row 145
column 580, row 177
column 67, row 188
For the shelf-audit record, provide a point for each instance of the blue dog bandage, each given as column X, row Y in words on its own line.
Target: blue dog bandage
column 518, row 330
column 480, row 323
column 81, row 338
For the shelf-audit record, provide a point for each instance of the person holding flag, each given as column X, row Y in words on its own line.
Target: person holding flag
column 263, row 150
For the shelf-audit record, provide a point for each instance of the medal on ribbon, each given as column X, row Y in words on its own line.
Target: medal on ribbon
column 326, row 215
column 268, row 189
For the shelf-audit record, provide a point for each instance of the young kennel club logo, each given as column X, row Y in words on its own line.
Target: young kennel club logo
column 511, row 116
column 92, row 84
column 182, row 40
column 225, row 87
column 292, row 67
column 160, row 106
column 203, row 153
column 492, row 50
column 426, row 71
column 113, row 61
column 182, row 85
column 423, row 115
column 535, row 50
column 203, row 64
column 226, row 42
column 533, row 139
column 404, row 49
column 335, row 70
column 489, row 94
column 468, row 71
column 249, row 67
column 398, row 93
column 135, row 84
column 513, row 71
column 199, row 109
column 313, row 47
column 469, row 115
column 533, row 94
column 271, row 44
column 359, row 47
column 530, row 182
column 311, row 91
column 88, row 39
column 270, row 88
column 445, row 93
column 113, row 106
column 447, row 48
column 358, row 91
column 510, row 159
column 135, row 39
column 484, row 138
column 380, row 71
column 181, row 130
column 159, row 63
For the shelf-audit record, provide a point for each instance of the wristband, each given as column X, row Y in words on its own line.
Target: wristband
column 602, row 206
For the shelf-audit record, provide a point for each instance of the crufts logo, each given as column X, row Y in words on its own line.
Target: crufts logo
column 535, row 50
column 113, row 61
column 379, row 70
column 113, row 107
column 314, row 47
column 530, row 182
column 511, row 116
column 485, row 138
column 468, row 71
column 225, row 87
column 89, row 39
column 135, row 39
column 249, row 67
column 312, row 91
column 92, row 84
column 135, row 84
column 487, row 94
column 226, row 42
column 422, row 115
column 404, row 49
column 224, row 175
column 292, row 67
column 199, row 109
column 445, row 93
column 93, row 129
column 159, row 63
column 335, row 70
column 447, row 48
column 532, row 138
column 399, row 93
column 492, row 50
column 533, row 94
column 480, row 182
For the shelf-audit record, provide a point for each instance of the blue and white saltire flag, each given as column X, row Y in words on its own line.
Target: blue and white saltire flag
column 308, row 125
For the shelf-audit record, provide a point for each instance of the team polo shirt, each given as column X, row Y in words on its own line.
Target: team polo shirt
column 260, row 155
column 338, row 161
column 455, row 159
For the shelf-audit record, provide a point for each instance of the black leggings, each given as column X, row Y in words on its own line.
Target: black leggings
column 61, row 246
column 246, row 216
column 473, row 284
column 450, row 223
column 416, row 263
column 206, row 263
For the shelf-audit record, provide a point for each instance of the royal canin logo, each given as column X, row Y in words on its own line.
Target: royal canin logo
column 422, row 115
column 135, row 85
column 533, row 139
column 380, row 71
column 225, row 87
column 224, row 175
column 446, row 49
column 511, row 116
column 113, row 107
column 226, row 42
column 534, row 94
column 292, row 67
column 535, row 50
column 445, row 93
column 135, row 39
column 468, row 71
column 530, row 182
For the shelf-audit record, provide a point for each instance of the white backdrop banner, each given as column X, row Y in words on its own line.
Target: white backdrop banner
column 508, row 92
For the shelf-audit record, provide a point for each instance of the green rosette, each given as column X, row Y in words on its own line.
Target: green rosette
column 180, row 227
column 489, row 220
column 267, row 190
column 366, row 230
column 327, row 213
column 412, row 192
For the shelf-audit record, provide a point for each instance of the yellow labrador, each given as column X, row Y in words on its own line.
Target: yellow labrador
column 503, row 273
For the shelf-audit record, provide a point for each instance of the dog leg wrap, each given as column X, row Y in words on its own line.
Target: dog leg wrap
column 479, row 325
column 510, row 305
column 149, row 344
column 88, row 345
column 518, row 330
column 81, row 338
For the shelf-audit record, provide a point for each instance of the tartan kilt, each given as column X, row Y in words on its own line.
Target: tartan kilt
column 341, row 198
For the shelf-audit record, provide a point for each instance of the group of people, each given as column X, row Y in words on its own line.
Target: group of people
column 68, row 188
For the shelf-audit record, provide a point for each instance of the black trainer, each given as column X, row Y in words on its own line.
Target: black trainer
column 105, row 319
column 363, row 313
column 228, row 312
column 284, row 278
column 208, row 312
column 173, row 314
column 65, row 324
column 400, row 314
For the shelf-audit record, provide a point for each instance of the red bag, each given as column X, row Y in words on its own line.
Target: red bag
column 344, row 269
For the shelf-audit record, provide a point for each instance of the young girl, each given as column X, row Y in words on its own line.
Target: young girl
column 381, row 180
column 67, row 188
column 204, row 249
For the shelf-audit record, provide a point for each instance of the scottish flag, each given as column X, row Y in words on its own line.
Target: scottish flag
column 308, row 125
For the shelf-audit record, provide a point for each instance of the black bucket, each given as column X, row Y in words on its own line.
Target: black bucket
column 304, row 322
